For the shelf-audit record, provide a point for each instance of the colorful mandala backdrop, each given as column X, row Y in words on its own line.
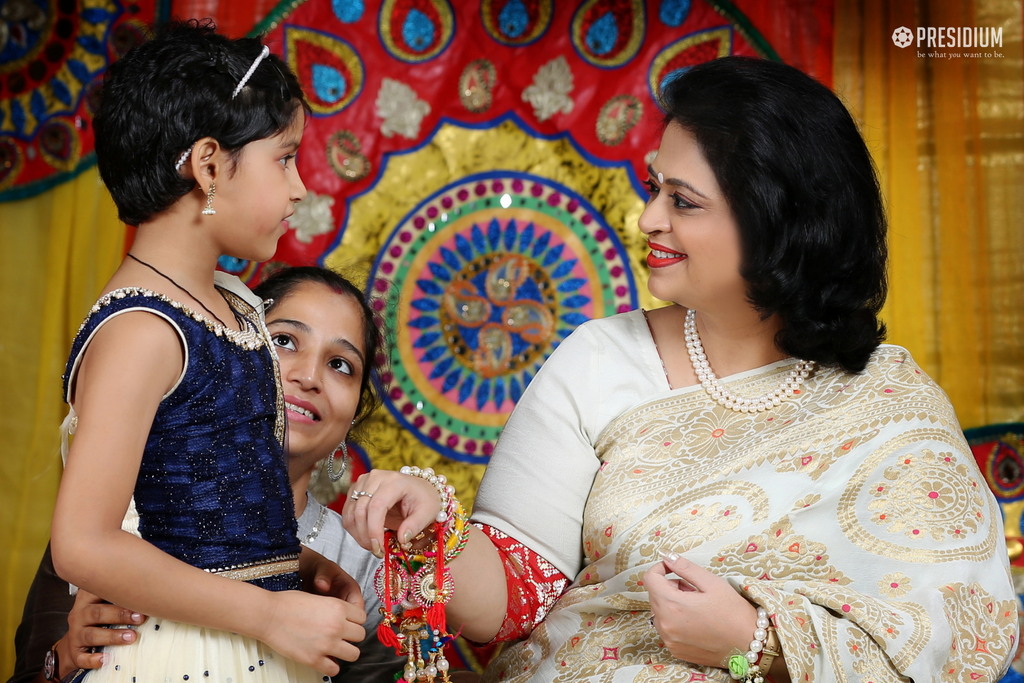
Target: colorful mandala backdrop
column 51, row 52
column 476, row 165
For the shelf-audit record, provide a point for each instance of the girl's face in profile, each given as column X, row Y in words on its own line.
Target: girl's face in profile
column 259, row 196
column 318, row 335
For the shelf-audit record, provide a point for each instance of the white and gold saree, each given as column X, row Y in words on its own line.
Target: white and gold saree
column 854, row 513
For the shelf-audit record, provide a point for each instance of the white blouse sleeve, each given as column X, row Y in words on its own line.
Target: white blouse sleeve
column 537, row 482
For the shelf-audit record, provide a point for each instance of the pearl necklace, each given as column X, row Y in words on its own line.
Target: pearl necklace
column 699, row 360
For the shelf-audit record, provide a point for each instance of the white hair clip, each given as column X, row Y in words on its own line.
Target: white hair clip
column 238, row 88
column 182, row 158
column 248, row 74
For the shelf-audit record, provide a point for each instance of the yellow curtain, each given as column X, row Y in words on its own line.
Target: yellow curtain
column 946, row 131
column 58, row 250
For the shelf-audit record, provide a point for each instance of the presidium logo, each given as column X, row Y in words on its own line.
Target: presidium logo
column 968, row 41
column 902, row 36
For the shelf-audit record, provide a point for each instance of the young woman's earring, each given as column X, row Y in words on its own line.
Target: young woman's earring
column 208, row 210
column 331, row 474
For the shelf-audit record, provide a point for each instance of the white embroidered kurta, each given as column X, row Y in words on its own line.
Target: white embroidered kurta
column 854, row 512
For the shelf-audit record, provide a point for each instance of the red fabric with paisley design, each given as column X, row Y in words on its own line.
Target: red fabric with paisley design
column 473, row 62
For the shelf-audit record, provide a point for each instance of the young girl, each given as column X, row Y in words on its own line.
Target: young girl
column 172, row 380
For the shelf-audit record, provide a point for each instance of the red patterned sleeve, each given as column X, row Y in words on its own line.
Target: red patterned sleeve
column 533, row 584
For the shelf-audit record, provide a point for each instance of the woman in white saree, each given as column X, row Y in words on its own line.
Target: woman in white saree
column 813, row 515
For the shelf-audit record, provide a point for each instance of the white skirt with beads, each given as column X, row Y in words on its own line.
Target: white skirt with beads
column 172, row 652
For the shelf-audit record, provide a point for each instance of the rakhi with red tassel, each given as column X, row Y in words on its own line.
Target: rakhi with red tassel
column 414, row 586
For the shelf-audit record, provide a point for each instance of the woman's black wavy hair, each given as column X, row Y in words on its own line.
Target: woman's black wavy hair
column 280, row 284
column 175, row 88
column 802, row 187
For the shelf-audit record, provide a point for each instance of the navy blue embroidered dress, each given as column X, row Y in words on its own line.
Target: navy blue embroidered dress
column 212, row 488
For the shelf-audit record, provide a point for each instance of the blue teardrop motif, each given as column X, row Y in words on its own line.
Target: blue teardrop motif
column 452, row 380
column 430, row 287
column 571, row 285
column 418, row 31
column 494, row 232
column 464, row 247
column 541, row 244
column 483, row 392
column 426, row 305
column 552, row 256
column 434, row 353
column 466, row 389
column 603, row 34
column 674, row 12
column 328, row 83
column 526, row 237
column 513, row 19
column 576, row 301
column 499, row 391
column 439, row 272
column 427, row 340
column 514, row 389
column 442, row 367
column 451, row 259
column 510, row 236
column 564, row 268
column 348, row 11
column 478, row 238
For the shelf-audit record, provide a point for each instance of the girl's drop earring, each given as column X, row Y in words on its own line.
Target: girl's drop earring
column 208, row 210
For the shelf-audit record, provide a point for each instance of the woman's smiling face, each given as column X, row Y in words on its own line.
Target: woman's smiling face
column 318, row 335
column 695, row 250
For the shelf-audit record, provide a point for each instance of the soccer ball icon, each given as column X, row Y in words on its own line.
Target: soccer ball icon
column 902, row 36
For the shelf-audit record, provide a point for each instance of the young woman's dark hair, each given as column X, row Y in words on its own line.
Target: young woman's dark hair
column 162, row 96
column 283, row 282
column 801, row 185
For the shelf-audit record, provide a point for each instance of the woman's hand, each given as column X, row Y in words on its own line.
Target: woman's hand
column 324, row 577
column 700, row 617
column 86, row 630
column 313, row 629
column 383, row 499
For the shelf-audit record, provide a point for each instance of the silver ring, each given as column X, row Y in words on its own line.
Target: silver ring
column 356, row 495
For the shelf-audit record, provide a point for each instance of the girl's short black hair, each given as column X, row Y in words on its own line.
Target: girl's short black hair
column 280, row 284
column 802, row 187
column 173, row 89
